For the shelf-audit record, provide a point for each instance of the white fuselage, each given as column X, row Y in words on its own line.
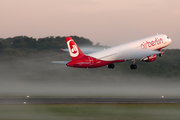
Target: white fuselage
column 155, row 42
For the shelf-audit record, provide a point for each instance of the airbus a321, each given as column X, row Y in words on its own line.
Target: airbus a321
column 145, row 49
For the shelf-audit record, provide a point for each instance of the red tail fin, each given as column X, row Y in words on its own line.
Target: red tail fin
column 74, row 50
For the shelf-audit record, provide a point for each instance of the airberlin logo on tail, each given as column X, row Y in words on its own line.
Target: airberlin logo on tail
column 73, row 49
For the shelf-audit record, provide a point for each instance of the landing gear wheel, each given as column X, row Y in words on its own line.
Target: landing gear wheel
column 160, row 55
column 111, row 66
column 133, row 66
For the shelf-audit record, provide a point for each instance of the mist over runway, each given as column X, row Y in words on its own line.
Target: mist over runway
column 75, row 100
column 34, row 75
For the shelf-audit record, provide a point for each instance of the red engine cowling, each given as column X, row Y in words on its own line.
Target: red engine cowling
column 150, row 58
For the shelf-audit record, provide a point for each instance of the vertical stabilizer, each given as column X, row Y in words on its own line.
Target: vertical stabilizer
column 74, row 50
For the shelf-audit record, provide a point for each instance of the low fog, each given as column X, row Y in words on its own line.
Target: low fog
column 35, row 75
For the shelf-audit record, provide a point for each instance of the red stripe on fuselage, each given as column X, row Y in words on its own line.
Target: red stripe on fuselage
column 90, row 62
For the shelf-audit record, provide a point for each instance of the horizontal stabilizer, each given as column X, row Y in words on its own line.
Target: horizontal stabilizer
column 60, row 62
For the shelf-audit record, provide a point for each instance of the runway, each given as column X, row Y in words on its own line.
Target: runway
column 66, row 100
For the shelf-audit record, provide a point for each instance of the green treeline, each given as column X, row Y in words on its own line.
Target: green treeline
column 24, row 44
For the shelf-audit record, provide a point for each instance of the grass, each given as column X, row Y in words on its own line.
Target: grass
column 90, row 112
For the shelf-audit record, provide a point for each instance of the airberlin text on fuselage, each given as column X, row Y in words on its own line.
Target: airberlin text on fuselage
column 156, row 41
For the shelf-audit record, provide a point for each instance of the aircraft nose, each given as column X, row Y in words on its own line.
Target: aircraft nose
column 170, row 40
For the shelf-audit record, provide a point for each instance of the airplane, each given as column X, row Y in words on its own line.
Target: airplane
column 144, row 49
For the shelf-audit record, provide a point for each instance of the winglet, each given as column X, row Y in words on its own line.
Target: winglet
column 62, row 50
column 74, row 50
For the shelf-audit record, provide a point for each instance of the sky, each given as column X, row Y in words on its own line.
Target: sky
column 108, row 22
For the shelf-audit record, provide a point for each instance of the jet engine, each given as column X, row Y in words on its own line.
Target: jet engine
column 149, row 58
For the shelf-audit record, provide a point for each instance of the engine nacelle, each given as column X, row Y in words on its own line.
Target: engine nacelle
column 150, row 58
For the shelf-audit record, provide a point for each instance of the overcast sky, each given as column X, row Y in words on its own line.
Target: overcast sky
column 109, row 22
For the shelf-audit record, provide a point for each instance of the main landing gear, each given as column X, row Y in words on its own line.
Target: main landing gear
column 133, row 65
column 111, row 66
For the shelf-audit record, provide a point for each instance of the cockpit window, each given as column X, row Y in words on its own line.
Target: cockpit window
column 167, row 37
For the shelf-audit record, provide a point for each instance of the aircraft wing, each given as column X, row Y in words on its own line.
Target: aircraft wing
column 85, row 50
column 137, row 53
column 61, row 62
